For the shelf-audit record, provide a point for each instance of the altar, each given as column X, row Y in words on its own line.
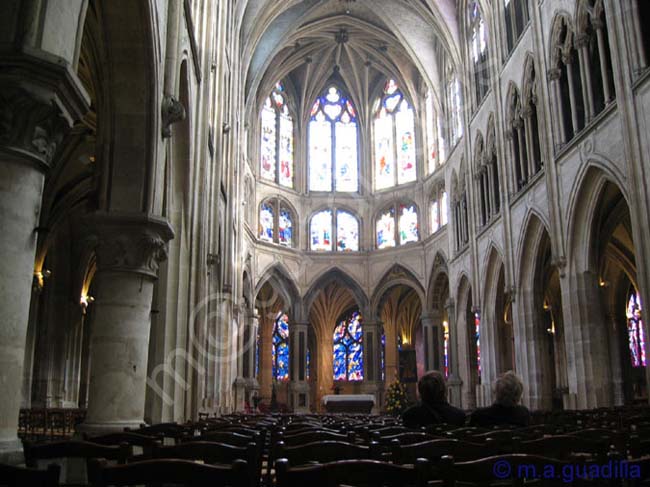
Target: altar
column 349, row 403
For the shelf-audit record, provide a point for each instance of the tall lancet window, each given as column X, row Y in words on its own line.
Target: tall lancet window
column 333, row 143
column 394, row 139
column 348, row 348
column 479, row 51
column 276, row 152
column 635, row 332
column 280, row 347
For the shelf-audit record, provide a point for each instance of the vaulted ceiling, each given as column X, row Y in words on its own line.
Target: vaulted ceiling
column 357, row 41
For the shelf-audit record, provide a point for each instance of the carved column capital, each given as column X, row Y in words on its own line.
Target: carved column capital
column 30, row 126
column 582, row 40
column 172, row 111
column 554, row 74
column 130, row 243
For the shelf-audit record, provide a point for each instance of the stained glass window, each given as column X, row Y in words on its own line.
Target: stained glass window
column 635, row 331
column 266, row 222
column 284, row 227
column 321, row 231
column 276, row 152
column 383, row 355
column 307, row 365
column 439, row 209
column 347, row 232
column 444, row 209
column 445, row 325
column 348, row 349
column 276, row 223
column 257, row 355
column 280, row 348
column 478, row 41
column 477, row 338
column 394, row 134
column 432, row 136
column 454, row 104
column 333, row 155
column 435, row 216
column 408, row 224
column 386, row 229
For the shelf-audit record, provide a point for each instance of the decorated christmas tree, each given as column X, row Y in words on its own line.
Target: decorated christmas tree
column 396, row 398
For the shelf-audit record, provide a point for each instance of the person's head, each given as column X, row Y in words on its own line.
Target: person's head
column 432, row 387
column 508, row 389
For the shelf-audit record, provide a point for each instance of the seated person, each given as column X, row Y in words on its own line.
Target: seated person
column 433, row 407
column 506, row 409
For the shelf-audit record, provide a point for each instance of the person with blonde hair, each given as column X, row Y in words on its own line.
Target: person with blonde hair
column 506, row 409
column 433, row 407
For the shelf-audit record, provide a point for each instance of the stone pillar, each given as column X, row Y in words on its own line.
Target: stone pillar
column 454, row 382
column 582, row 45
column 129, row 249
column 429, row 333
column 372, row 382
column 32, row 127
column 250, row 354
column 299, row 386
column 243, row 330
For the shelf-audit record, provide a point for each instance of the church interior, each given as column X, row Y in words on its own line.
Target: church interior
column 240, row 215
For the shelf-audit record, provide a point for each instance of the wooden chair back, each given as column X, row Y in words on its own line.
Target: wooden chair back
column 324, row 452
column 177, row 472
column 352, row 473
column 434, row 450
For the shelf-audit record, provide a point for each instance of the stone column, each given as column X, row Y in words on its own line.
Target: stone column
column 582, row 45
column 250, row 351
column 32, row 127
column 554, row 76
column 243, row 330
column 568, row 60
column 454, row 382
column 129, row 249
column 372, row 382
column 602, row 45
column 429, row 334
column 299, row 386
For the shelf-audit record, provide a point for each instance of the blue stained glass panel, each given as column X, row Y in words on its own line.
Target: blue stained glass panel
column 284, row 228
column 266, row 222
column 280, row 348
column 348, row 349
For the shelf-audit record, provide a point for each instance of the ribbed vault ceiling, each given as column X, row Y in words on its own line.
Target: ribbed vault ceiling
column 359, row 42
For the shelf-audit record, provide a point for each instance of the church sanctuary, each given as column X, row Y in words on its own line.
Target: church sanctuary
column 278, row 243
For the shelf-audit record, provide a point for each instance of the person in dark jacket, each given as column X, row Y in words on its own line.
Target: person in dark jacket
column 433, row 407
column 506, row 409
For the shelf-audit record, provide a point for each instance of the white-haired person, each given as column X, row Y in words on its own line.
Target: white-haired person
column 506, row 409
column 433, row 407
